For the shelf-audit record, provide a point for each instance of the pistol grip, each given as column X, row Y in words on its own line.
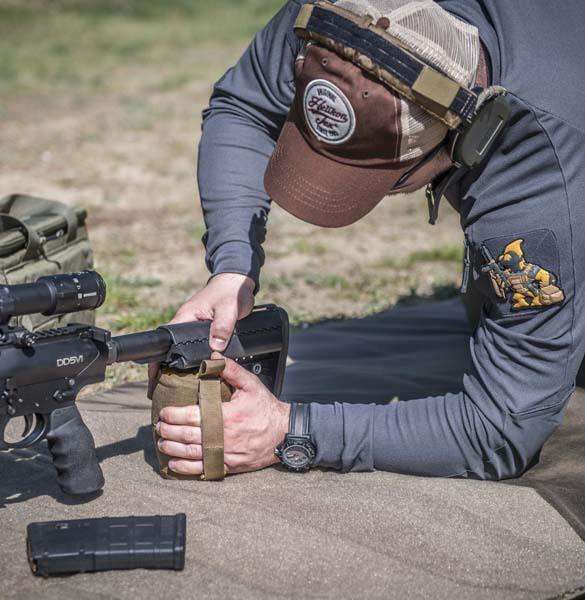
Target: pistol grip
column 73, row 450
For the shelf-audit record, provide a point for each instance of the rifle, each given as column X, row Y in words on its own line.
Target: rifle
column 41, row 373
column 497, row 275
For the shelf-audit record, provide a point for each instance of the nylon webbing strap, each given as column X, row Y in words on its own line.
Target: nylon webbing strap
column 373, row 49
column 210, row 400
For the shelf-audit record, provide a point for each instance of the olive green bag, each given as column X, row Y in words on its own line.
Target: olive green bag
column 42, row 237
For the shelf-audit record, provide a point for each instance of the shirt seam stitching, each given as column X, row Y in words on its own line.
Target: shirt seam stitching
column 566, row 194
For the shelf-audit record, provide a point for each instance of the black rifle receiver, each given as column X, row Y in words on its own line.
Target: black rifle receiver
column 41, row 373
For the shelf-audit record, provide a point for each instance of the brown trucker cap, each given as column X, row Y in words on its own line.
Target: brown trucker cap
column 348, row 137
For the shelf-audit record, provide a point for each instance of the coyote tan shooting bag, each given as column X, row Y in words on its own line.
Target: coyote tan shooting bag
column 188, row 376
column 206, row 389
column 41, row 237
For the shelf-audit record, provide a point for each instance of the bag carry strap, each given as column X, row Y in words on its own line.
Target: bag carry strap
column 34, row 246
column 19, row 205
column 210, row 401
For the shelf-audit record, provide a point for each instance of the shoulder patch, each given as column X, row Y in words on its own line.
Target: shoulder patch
column 523, row 271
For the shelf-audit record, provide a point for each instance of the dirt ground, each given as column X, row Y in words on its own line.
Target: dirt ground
column 116, row 130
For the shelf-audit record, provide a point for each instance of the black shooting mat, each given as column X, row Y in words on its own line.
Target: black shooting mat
column 273, row 534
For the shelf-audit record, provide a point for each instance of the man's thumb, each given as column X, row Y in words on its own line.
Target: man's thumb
column 222, row 327
column 234, row 374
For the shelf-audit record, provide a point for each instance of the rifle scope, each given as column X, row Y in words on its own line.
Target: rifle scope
column 54, row 294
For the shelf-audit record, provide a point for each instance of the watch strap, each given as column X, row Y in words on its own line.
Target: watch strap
column 298, row 424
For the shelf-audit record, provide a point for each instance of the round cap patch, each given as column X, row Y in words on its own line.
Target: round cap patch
column 328, row 112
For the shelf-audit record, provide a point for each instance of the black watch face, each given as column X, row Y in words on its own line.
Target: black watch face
column 298, row 455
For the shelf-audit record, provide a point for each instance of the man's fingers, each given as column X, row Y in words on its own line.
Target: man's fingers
column 179, row 433
column 186, row 467
column 178, row 450
column 222, row 326
column 181, row 415
column 235, row 375
column 192, row 310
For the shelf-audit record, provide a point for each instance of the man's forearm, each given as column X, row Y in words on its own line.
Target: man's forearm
column 446, row 436
column 232, row 159
column 423, row 437
column 245, row 115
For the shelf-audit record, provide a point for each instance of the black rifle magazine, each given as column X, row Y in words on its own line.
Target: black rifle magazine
column 86, row 545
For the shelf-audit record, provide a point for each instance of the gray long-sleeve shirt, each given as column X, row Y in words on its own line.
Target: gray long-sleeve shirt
column 533, row 189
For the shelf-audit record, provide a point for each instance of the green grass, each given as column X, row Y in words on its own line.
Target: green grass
column 309, row 248
column 139, row 282
column 329, row 281
column 198, row 230
column 124, row 303
column 123, row 293
column 143, row 319
column 88, row 46
column 441, row 254
column 270, row 284
column 155, row 10
column 119, row 297
column 448, row 254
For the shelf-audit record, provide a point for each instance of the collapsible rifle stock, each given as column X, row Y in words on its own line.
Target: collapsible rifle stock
column 42, row 373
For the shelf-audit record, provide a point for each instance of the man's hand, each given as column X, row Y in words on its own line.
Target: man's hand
column 227, row 298
column 255, row 423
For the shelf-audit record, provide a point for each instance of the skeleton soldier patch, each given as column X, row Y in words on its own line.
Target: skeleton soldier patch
column 523, row 279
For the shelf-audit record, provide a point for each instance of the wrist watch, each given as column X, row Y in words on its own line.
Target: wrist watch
column 297, row 452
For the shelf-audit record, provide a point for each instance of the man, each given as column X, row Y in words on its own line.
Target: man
column 345, row 139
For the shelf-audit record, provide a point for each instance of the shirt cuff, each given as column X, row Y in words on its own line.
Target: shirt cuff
column 236, row 257
column 326, row 429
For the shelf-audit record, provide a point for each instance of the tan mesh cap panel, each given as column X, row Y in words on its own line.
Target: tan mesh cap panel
column 438, row 38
